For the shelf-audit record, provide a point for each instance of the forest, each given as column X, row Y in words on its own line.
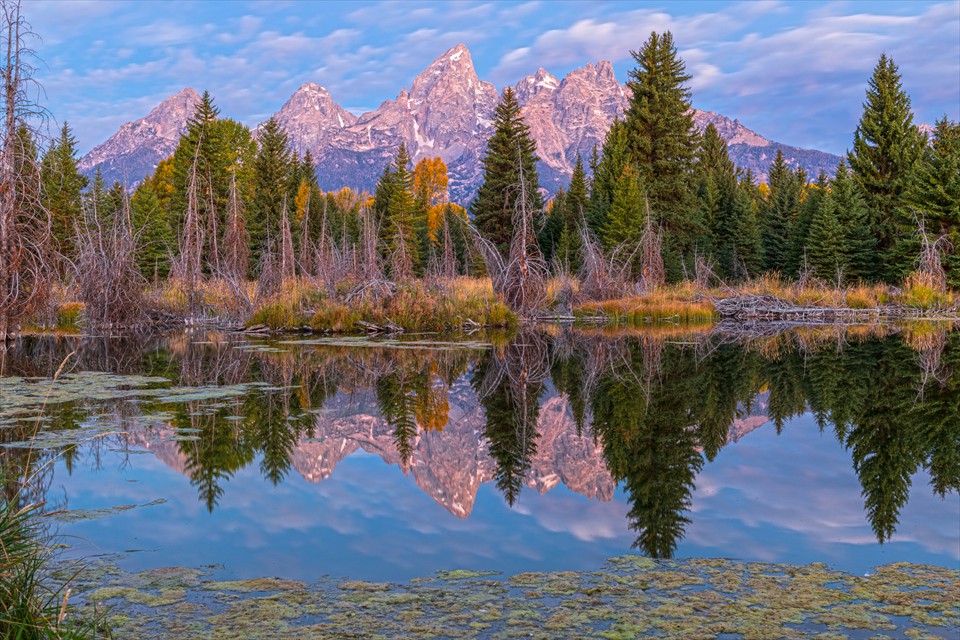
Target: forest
column 233, row 228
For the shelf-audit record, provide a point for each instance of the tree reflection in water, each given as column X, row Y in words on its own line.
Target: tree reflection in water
column 660, row 404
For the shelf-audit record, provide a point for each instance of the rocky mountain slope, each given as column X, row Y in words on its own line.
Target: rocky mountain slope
column 447, row 112
column 134, row 151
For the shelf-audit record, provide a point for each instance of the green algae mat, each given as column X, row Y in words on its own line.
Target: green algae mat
column 629, row 597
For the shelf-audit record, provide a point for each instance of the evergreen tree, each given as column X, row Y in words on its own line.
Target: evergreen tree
column 748, row 248
column 813, row 196
column 575, row 204
column 510, row 147
column 95, row 197
column 826, row 248
column 154, row 232
column 625, row 221
column 271, row 172
column 719, row 203
column 401, row 223
column 662, row 144
column 63, row 185
column 607, row 169
column 549, row 236
column 778, row 213
column 859, row 243
column 886, row 148
column 934, row 195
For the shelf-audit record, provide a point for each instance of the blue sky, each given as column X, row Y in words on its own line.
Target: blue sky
column 794, row 72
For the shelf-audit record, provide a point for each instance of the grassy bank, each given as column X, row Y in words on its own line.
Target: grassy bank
column 465, row 302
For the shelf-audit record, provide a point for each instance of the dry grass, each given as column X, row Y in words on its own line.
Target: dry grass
column 679, row 304
column 417, row 307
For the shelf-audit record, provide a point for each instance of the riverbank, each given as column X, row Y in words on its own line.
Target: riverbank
column 627, row 597
column 464, row 303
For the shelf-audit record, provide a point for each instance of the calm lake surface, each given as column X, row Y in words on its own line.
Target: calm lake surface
column 553, row 449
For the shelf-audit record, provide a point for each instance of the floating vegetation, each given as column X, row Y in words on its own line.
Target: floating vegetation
column 75, row 515
column 629, row 596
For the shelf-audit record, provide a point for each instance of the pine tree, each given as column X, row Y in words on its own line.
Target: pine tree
column 886, row 148
column 748, row 248
column 859, row 243
column 574, row 209
column 826, row 247
column 549, row 236
column 401, row 236
column 606, row 171
column 934, row 195
column 662, row 144
column 799, row 239
column 778, row 213
column 625, row 221
column 718, row 195
column 510, row 147
column 154, row 232
column 271, row 172
column 63, row 186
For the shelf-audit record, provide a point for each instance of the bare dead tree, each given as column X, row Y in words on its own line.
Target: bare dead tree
column 930, row 260
column 24, row 224
column 305, row 258
column 704, row 274
column 287, row 266
column 236, row 241
column 370, row 267
column 448, row 265
column 605, row 276
column 187, row 267
column 109, row 282
column 652, row 273
column 270, row 271
column 213, row 231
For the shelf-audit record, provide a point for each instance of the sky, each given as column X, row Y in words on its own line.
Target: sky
column 794, row 72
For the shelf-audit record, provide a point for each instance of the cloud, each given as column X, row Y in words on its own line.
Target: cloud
column 590, row 39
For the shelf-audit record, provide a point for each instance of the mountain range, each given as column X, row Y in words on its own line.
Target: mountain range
column 447, row 112
column 449, row 464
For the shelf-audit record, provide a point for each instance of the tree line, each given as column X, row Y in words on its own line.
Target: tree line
column 663, row 198
column 893, row 191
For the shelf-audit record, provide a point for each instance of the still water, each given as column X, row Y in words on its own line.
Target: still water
column 549, row 450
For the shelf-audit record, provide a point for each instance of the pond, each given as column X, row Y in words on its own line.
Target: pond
column 552, row 449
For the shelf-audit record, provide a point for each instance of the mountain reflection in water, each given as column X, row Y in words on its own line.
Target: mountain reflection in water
column 643, row 412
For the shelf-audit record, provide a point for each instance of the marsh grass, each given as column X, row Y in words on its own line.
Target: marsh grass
column 680, row 304
column 412, row 306
column 438, row 304
column 34, row 605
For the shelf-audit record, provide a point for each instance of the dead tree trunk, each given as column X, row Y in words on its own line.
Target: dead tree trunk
column 24, row 225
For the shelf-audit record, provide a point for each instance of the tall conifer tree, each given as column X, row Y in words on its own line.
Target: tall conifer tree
column 934, row 195
column 63, row 186
column 886, row 148
column 662, row 145
column 272, row 167
column 510, row 147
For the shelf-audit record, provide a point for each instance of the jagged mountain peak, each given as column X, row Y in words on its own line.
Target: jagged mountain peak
column 453, row 70
column 542, row 82
column 134, row 151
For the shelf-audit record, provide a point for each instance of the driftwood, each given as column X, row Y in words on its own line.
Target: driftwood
column 772, row 308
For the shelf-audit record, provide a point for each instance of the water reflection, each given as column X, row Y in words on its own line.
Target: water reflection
column 645, row 412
